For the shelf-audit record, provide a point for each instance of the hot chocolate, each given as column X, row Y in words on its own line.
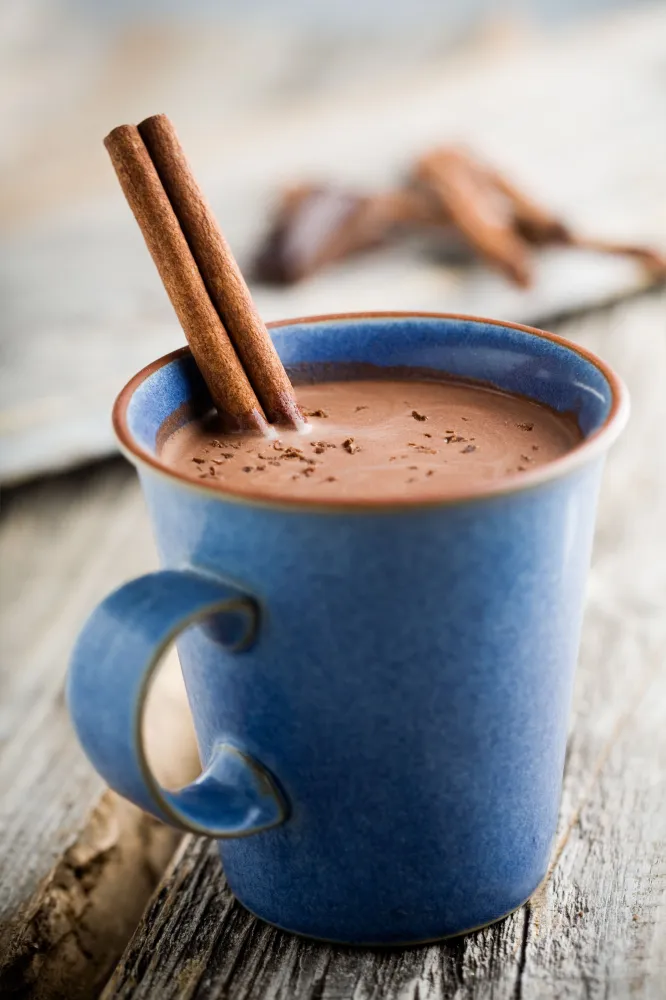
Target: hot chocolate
column 381, row 438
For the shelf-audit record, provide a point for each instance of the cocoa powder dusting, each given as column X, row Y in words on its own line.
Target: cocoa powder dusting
column 367, row 419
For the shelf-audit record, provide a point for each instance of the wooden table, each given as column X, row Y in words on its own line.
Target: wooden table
column 597, row 926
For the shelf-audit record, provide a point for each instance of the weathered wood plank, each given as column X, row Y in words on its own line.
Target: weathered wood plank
column 599, row 930
column 75, row 869
column 597, row 927
column 555, row 113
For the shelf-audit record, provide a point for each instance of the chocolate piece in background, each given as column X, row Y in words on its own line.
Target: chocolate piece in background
column 465, row 207
column 316, row 225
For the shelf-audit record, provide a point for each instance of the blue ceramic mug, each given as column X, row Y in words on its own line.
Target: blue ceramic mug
column 380, row 691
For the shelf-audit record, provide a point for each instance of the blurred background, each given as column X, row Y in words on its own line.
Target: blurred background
column 568, row 98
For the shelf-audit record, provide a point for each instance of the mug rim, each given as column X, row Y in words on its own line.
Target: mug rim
column 587, row 449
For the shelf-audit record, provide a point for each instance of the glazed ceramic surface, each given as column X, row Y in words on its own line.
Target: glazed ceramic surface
column 380, row 693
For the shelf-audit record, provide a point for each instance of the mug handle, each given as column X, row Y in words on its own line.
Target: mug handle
column 113, row 663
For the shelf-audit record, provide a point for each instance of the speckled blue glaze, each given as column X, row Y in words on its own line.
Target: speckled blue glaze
column 391, row 729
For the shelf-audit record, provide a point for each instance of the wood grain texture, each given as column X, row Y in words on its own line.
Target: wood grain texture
column 597, row 926
column 555, row 115
column 76, row 866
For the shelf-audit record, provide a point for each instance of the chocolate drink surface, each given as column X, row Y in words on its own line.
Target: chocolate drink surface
column 380, row 439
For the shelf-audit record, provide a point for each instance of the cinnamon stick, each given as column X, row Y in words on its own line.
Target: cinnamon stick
column 222, row 276
column 540, row 227
column 469, row 200
column 651, row 259
column 213, row 351
column 534, row 223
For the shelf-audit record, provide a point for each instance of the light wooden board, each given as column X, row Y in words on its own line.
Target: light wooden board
column 577, row 118
column 597, row 926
